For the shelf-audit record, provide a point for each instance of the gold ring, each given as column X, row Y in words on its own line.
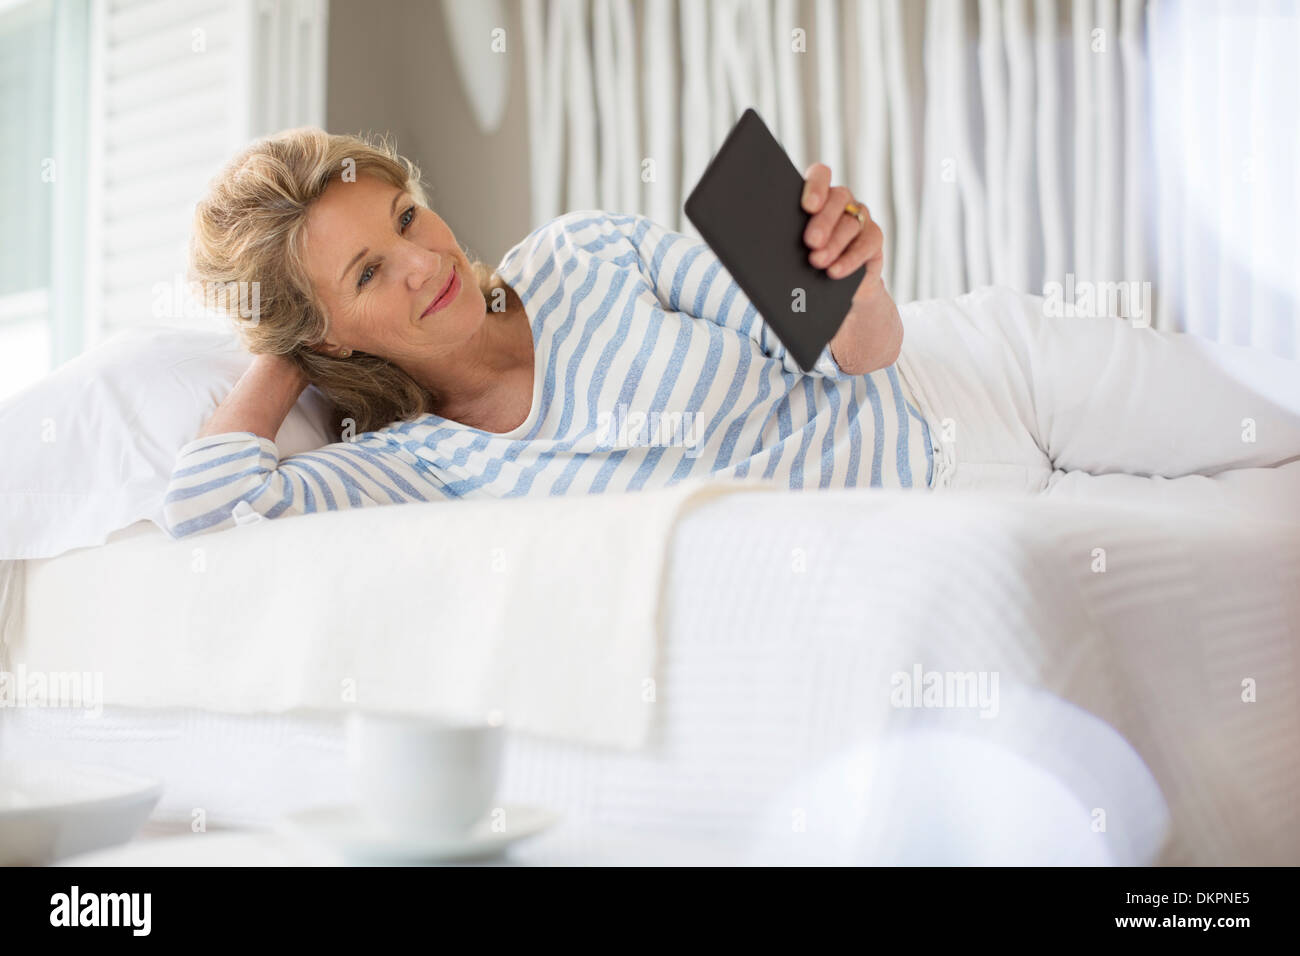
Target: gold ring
column 857, row 212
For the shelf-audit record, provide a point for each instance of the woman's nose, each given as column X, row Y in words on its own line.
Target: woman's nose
column 425, row 267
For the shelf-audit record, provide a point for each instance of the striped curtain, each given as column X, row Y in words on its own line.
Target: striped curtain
column 1018, row 142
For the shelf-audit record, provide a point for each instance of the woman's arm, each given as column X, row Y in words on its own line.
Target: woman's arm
column 260, row 400
column 233, row 468
column 215, row 477
column 871, row 337
column 683, row 271
column 234, row 460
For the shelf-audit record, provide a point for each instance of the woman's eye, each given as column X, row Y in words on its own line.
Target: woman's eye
column 407, row 217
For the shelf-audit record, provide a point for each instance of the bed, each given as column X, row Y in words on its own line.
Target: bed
column 725, row 665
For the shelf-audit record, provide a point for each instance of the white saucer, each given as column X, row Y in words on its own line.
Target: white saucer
column 348, row 831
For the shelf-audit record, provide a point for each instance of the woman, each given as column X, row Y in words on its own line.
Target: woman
column 606, row 353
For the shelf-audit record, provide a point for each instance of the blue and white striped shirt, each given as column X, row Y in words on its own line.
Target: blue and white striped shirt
column 651, row 366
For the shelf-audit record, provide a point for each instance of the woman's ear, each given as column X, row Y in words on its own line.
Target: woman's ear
column 330, row 350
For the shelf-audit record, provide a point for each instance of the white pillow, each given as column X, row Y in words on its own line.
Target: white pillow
column 90, row 448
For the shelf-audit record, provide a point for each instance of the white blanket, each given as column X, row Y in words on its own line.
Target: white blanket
column 542, row 613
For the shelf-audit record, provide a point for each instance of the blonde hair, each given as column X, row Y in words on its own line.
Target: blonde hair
column 250, row 228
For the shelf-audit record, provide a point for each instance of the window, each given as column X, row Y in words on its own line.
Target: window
column 43, row 49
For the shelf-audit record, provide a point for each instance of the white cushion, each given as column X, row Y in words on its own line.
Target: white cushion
column 90, row 448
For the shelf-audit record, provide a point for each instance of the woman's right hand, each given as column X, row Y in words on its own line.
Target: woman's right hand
column 282, row 367
column 260, row 400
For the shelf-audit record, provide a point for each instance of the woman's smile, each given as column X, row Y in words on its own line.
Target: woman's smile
column 446, row 296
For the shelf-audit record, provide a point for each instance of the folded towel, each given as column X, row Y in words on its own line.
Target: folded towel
column 545, row 611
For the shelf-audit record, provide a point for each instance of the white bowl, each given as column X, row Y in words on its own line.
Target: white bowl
column 51, row 809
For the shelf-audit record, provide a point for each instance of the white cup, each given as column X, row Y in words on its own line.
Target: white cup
column 423, row 777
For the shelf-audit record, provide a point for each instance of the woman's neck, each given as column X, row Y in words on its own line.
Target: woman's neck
column 502, row 357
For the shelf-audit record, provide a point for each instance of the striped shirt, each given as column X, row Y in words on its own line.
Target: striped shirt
column 651, row 366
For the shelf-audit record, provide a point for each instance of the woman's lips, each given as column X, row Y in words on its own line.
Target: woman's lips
column 445, row 298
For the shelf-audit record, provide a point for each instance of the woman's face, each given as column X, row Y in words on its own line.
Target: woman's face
column 377, row 260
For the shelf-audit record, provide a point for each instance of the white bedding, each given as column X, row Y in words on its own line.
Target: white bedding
column 786, row 615
column 540, row 612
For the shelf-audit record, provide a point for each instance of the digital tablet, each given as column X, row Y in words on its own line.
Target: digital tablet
column 747, row 208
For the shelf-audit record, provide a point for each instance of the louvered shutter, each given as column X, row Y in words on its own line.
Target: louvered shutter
column 180, row 86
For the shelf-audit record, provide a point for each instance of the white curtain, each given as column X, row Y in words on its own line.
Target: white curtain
column 1226, row 108
column 1019, row 142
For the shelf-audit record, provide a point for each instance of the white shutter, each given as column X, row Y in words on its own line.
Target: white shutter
column 178, row 86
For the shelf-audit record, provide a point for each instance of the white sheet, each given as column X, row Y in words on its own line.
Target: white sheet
column 786, row 615
column 1018, row 396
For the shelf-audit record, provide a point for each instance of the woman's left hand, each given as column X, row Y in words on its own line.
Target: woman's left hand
column 839, row 243
column 872, row 333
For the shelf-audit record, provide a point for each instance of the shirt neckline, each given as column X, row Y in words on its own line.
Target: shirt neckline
column 538, row 371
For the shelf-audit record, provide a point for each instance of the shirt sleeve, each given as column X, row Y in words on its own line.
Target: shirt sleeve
column 687, row 277
column 220, row 481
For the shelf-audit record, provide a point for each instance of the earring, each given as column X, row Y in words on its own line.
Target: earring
column 347, row 352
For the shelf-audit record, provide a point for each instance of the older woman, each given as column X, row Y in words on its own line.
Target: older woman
column 606, row 353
